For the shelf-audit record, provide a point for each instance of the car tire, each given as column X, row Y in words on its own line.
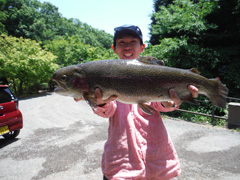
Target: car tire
column 12, row 134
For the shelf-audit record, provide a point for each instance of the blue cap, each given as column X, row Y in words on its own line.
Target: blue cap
column 127, row 28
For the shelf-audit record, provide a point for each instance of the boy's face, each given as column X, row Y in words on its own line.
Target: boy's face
column 128, row 47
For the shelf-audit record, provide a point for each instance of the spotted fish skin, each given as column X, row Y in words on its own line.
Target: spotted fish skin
column 136, row 81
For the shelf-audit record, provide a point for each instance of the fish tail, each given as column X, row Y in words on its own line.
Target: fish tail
column 219, row 95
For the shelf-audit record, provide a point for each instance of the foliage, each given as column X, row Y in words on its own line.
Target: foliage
column 182, row 18
column 204, row 108
column 225, row 39
column 200, row 118
column 70, row 50
column 24, row 63
column 42, row 22
column 31, row 26
column 2, row 16
column 202, row 34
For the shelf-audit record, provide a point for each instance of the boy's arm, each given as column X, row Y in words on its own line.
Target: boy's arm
column 107, row 110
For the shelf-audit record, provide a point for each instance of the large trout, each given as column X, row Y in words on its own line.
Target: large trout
column 135, row 81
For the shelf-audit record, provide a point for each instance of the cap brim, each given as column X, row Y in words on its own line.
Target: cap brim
column 124, row 32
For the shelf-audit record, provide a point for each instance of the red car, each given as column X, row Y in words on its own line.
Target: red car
column 11, row 120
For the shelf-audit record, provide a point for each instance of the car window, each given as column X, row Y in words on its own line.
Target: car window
column 5, row 95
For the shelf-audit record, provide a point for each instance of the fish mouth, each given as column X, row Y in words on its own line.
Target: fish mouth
column 61, row 86
column 64, row 91
column 61, row 91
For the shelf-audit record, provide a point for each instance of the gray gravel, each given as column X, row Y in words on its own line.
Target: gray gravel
column 62, row 139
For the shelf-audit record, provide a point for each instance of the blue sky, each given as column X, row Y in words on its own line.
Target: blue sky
column 107, row 14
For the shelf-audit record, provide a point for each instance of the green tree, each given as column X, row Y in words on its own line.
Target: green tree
column 20, row 16
column 42, row 22
column 224, row 38
column 156, row 6
column 71, row 50
column 24, row 63
column 3, row 16
column 183, row 18
column 202, row 34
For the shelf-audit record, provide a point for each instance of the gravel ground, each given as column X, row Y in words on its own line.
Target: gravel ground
column 62, row 139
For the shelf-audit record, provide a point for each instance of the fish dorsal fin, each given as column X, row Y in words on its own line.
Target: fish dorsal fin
column 151, row 60
column 195, row 70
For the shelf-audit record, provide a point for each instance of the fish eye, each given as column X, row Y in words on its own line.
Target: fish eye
column 64, row 77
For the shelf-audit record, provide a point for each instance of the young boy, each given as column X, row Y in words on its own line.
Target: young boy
column 138, row 145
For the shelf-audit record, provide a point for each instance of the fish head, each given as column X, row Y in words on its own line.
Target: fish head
column 71, row 81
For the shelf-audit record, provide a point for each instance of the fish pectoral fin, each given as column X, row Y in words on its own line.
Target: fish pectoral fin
column 90, row 100
column 148, row 109
column 189, row 99
column 151, row 60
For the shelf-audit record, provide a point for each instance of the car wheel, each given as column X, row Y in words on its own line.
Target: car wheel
column 12, row 134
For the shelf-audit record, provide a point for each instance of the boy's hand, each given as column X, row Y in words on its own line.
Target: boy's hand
column 100, row 101
column 98, row 96
column 176, row 101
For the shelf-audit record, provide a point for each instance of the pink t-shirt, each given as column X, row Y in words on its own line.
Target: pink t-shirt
column 138, row 145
